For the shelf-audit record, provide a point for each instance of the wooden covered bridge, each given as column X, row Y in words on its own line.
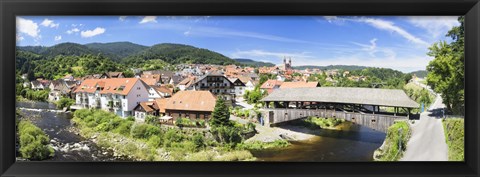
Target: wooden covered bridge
column 358, row 105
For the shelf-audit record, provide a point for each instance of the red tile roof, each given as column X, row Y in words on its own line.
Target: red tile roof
column 298, row 84
column 192, row 101
column 120, row 86
column 271, row 84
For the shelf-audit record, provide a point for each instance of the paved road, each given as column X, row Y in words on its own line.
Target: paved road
column 241, row 102
column 428, row 140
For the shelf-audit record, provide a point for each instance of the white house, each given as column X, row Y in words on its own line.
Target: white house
column 250, row 85
column 155, row 92
column 239, row 86
column 118, row 95
column 216, row 83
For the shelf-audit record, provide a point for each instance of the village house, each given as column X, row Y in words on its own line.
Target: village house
column 163, row 91
column 239, row 86
column 109, row 75
column 216, row 83
column 248, row 81
column 60, row 88
column 68, row 77
column 271, row 85
column 190, row 104
column 39, row 84
column 118, row 95
column 185, row 83
column 145, row 108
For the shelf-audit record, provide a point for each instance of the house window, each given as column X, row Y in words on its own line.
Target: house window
column 138, row 95
column 138, row 88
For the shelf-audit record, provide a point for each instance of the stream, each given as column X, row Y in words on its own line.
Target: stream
column 68, row 145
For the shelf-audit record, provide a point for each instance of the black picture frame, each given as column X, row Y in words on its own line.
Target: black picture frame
column 10, row 8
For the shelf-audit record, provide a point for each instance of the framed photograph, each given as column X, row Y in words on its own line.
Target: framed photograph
column 239, row 88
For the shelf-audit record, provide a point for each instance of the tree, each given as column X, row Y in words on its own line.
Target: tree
column 425, row 97
column 446, row 71
column 220, row 114
column 34, row 143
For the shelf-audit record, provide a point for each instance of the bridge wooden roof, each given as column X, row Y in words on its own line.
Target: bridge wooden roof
column 346, row 95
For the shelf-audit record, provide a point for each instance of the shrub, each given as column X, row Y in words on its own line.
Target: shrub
column 390, row 150
column 64, row 103
column 155, row 141
column 198, row 140
column 149, row 119
column 130, row 118
column 227, row 135
column 454, row 136
column 139, row 130
column 124, row 128
column 172, row 136
column 184, row 122
column 152, row 131
column 34, row 143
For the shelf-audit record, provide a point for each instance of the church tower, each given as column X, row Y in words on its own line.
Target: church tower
column 290, row 62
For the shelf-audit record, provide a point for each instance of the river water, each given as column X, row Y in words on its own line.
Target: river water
column 352, row 143
column 68, row 145
column 349, row 143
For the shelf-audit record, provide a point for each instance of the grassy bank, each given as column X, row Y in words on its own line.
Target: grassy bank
column 318, row 122
column 454, row 136
column 154, row 143
column 395, row 142
column 258, row 145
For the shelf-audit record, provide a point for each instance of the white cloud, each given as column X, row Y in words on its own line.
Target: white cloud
column 91, row 33
column 27, row 27
column 49, row 23
column 74, row 30
column 330, row 19
column 149, row 19
column 122, row 18
column 375, row 51
column 186, row 33
column 57, row 38
column 382, row 25
column 390, row 26
column 20, row 38
column 436, row 26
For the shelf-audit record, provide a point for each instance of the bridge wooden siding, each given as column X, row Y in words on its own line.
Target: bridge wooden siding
column 377, row 122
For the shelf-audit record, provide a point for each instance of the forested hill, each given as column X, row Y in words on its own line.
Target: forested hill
column 119, row 50
column 67, row 49
column 130, row 53
column 251, row 62
column 179, row 53
column 329, row 67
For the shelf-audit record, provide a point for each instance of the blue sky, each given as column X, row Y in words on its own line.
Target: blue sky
column 393, row 42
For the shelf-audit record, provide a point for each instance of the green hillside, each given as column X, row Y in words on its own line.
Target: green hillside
column 117, row 50
column 177, row 54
